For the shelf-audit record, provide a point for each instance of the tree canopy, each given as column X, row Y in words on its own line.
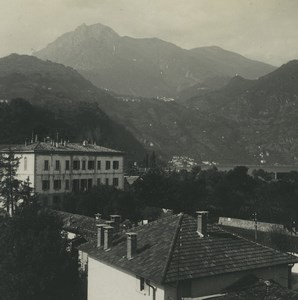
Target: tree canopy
column 34, row 262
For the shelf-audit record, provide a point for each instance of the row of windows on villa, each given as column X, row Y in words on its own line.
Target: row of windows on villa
column 77, row 184
column 82, row 165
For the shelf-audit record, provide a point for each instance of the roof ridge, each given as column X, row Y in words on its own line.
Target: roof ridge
column 172, row 247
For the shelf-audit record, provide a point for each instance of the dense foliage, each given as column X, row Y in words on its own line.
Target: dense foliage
column 234, row 194
column 10, row 186
column 34, row 263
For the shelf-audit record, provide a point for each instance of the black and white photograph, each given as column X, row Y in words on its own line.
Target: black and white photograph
column 149, row 150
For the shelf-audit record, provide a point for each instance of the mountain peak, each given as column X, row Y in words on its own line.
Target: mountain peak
column 148, row 67
column 95, row 31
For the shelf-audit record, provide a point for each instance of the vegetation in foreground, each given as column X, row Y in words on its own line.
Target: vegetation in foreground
column 35, row 261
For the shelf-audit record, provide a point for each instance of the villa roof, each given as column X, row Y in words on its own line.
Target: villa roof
column 48, row 147
column 78, row 224
column 170, row 249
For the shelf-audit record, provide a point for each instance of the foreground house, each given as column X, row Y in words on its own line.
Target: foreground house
column 57, row 168
column 174, row 258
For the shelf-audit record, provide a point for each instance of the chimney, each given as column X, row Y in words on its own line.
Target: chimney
column 108, row 237
column 97, row 217
column 202, row 223
column 131, row 245
column 36, row 138
column 116, row 219
column 111, row 223
column 100, row 235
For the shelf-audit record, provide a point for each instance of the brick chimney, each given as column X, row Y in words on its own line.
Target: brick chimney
column 108, row 237
column 202, row 223
column 116, row 219
column 100, row 235
column 131, row 245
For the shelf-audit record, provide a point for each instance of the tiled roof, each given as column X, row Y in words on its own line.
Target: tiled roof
column 131, row 179
column 170, row 249
column 260, row 289
column 220, row 252
column 41, row 147
column 154, row 244
column 82, row 225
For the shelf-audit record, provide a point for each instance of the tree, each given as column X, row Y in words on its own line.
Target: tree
column 9, row 184
column 34, row 262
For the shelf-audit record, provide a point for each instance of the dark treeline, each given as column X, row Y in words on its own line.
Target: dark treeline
column 75, row 122
column 234, row 194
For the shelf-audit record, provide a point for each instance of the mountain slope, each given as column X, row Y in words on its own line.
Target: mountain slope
column 146, row 67
column 62, row 94
column 76, row 105
column 266, row 111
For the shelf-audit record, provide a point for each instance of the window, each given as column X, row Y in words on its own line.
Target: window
column 91, row 165
column 90, row 183
column 107, row 181
column 98, row 181
column 115, row 164
column 142, row 286
column 57, row 165
column 76, row 165
column 25, row 164
column 108, row 165
column 115, row 181
column 83, row 184
column 84, row 165
column 46, row 165
column 76, row 185
column 67, row 184
column 57, row 184
column 98, row 165
column 67, row 165
column 45, row 185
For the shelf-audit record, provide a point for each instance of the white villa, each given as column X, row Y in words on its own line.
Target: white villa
column 57, row 168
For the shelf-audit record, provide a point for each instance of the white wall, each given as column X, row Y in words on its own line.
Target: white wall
column 105, row 282
column 24, row 172
column 63, row 174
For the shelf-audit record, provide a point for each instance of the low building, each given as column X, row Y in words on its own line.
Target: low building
column 174, row 258
column 57, row 168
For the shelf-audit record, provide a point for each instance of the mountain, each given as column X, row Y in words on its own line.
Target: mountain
column 147, row 67
column 247, row 121
column 78, row 109
column 265, row 111
column 61, row 100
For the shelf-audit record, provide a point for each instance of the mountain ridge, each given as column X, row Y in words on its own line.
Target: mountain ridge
column 148, row 67
column 168, row 128
column 265, row 110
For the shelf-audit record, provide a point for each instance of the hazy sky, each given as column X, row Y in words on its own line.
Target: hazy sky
column 266, row 30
